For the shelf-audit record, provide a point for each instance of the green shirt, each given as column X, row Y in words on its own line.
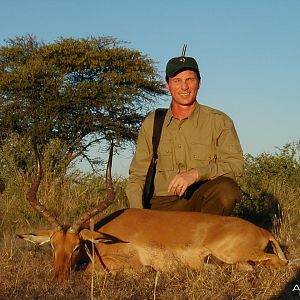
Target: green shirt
column 206, row 141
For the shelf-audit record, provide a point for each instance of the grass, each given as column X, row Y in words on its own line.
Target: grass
column 26, row 271
column 26, row 274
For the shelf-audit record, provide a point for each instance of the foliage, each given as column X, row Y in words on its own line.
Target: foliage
column 282, row 166
column 16, row 158
column 77, row 91
column 268, row 178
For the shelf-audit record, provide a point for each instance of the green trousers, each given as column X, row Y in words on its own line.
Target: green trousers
column 218, row 196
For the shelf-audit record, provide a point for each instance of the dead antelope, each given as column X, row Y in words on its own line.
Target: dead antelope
column 134, row 238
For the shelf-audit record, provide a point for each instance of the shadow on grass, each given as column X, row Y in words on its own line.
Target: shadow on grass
column 291, row 290
column 263, row 210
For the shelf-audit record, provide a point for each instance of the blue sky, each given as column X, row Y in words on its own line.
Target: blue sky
column 248, row 52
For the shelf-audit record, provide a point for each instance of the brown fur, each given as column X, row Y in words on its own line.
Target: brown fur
column 134, row 238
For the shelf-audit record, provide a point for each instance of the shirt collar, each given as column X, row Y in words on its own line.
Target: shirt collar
column 194, row 117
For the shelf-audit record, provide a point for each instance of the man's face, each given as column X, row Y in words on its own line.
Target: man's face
column 184, row 87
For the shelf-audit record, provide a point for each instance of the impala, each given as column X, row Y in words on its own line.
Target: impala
column 135, row 238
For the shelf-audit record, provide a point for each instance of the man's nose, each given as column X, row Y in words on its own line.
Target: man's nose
column 184, row 85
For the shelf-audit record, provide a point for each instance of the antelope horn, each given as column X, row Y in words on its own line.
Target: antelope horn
column 32, row 191
column 108, row 177
column 106, row 202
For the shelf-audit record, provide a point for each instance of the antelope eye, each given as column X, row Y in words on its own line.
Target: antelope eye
column 77, row 247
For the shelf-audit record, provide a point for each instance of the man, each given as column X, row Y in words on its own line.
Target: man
column 199, row 154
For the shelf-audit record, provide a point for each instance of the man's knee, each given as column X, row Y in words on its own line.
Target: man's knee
column 228, row 194
column 228, row 190
column 222, row 196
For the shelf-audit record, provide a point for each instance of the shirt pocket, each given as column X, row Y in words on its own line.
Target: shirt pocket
column 201, row 155
column 165, row 157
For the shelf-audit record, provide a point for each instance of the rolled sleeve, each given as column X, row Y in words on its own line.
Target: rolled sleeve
column 138, row 168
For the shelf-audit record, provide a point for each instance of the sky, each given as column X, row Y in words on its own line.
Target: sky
column 248, row 52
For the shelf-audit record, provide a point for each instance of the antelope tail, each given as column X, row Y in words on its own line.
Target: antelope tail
column 277, row 249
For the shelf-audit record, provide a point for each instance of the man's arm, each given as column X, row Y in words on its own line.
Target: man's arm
column 228, row 160
column 139, row 167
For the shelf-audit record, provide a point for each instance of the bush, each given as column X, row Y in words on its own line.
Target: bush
column 270, row 186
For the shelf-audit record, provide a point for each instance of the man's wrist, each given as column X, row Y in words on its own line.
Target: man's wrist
column 195, row 174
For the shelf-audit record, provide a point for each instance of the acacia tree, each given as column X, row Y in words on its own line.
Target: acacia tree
column 80, row 91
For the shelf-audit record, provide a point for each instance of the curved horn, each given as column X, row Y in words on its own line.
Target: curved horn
column 107, row 201
column 32, row 191
column 108, row 176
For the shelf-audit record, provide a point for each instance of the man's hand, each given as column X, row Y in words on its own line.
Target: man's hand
column 182, row 181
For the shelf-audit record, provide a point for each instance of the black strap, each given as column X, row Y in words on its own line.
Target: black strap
column 159, row 117
column 148, row 191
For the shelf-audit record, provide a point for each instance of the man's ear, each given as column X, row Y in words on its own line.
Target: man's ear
column 167, row 86
column 38, row 237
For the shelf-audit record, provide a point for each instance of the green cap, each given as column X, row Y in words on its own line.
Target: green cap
column 177, row 64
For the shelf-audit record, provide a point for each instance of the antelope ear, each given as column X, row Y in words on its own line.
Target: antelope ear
column 92, row 236
column 38, row 237
column 99, row 237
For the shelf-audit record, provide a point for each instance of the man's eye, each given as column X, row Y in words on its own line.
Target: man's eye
column 176, row 81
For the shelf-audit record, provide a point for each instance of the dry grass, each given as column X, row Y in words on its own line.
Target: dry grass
column 26, row 271
column 26, row 274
